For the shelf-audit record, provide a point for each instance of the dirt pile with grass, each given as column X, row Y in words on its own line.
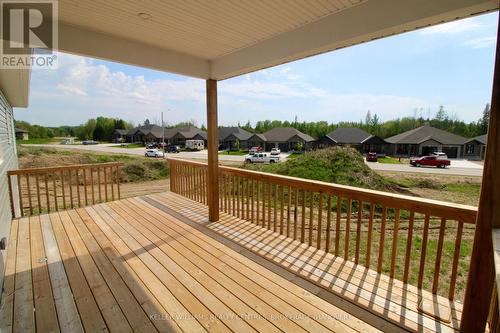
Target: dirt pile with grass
column 340, row 165
column 135, row 169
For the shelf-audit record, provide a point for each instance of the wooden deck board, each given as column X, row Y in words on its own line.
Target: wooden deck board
column 383, row 296
column 130, row 265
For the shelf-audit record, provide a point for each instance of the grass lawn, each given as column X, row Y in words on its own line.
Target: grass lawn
column 388, row 160
column 38, row 141
column 129, row 145
column 135, row 169
column 294, row 155
column 233, row 152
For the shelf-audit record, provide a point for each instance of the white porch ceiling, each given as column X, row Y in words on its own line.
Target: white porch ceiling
column 220, row 39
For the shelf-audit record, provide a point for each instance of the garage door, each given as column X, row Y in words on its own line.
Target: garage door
column 452, row 152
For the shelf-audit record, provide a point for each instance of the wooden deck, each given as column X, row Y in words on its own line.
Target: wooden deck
column 154, row 263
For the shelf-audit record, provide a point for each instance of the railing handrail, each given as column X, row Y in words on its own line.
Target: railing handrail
column 63, row 167
column 448, row 210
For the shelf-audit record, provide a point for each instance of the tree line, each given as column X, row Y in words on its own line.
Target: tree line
column 99, row 129
column 372, row 124
column 102, row 128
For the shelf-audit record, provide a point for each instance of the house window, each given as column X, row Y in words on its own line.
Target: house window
column 469, row 149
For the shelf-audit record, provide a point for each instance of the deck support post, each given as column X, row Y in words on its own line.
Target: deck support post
column 213, row 151
column 481, row 274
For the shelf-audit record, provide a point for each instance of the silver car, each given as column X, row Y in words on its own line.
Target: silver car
column 153, row 153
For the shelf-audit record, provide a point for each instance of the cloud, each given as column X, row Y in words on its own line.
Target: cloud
column 453, row 27
column 481, row 43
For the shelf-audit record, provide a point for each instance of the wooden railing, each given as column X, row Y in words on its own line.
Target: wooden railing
column 398, row 235
column 39, row 190
column 494, row 315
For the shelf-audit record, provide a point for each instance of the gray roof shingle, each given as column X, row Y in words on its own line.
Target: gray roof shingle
column 424, row 133
column 348, row 135
column 238, row 132
column 283, row 134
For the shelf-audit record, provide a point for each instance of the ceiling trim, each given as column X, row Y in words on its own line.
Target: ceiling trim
column 364, row 22
column 94, row 44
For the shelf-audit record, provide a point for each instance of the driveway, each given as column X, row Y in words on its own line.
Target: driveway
column 457, row 168
column 111, row 148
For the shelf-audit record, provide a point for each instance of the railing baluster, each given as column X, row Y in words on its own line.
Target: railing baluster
column 85, row 186
column 257, row 202
column 37, row 184
column 30, row 201
column 263, row 204
column 382, row 241
column 303, row 218
column 394, row 242
column 118, row 174
column 99, row 192
column 20, row 190
column 358, row 231
column 253, row 199
column 78, row 187
column 347, row 229
column 70, row 188
column 408, row 247
column 423, row 251
column 337, row 225
column 63, row 191
column 111, row 173
column 282, row 207
column 295, row 213
column 369, row 237
column 248, row 197
column 437, row 266
column 320, row 221
column 456, row 257
column 275, row 228
column 269, row 194
column 311, row 217
column 47, row 191
column 55, row 191
column 288, row 212
column 328, row 223
column 105, row 185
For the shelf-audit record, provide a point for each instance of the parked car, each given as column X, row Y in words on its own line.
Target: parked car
column 255, row 150
column 152, row 145
column 195, row 144
column 261, row 158
column 439, row 154
column 90, row 142
column 275, row 151
column 431, row 160
column 371, row 157
column 173, row 149
column 153, row 153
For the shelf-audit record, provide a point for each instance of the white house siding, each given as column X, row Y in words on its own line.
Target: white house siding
column 8, row 161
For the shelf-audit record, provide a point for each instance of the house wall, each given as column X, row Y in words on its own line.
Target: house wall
column 473, row 150
column 8, row 161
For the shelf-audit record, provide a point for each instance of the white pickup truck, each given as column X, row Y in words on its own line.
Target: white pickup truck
column 261, row 158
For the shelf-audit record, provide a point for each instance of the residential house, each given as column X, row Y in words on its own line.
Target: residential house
column 229, row 135
column 475, row 148
column 178, row 135
column 426, row 139
column 257, row 140
column 287, row 139
column 120, row 135
column 354, row 137
column 21, row 134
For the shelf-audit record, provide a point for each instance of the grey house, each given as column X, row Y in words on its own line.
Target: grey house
column 257, row 140
column 424, row 140
column 287, row 139
column 229, row 135
column 475, row 148
column 179, row 135
column 357, row 138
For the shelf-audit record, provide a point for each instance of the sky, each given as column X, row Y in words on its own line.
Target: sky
column 404, row 75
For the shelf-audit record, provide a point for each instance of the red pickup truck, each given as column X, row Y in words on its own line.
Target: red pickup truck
column 430, row 161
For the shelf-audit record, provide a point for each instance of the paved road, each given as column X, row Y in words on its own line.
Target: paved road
column 457, row 168
column 109, row 148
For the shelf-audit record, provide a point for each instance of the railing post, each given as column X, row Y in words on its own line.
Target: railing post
column 213, row 150
column 481, row 274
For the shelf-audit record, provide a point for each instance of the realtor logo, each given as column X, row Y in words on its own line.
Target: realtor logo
column 29, row 34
